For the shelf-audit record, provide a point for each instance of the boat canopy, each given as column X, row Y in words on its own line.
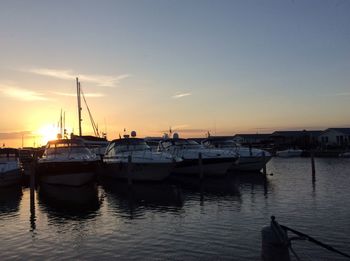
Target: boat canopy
column 184, row 143
column 65, row 143
column 127, row 144
column 66, row 147
column 219, row 142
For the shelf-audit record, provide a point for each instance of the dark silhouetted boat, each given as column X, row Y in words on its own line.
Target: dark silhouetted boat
column 11, row 171
column 67, row 162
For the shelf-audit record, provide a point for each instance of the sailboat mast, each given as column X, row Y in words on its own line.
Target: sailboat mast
column 64, row 125
column 61, row 130
column 79, row 106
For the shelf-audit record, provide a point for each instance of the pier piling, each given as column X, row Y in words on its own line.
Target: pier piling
column 200, row 165
column 264, row 160
column 32, row 183
column 129, row 170
column 31, row 170
column 312, row 155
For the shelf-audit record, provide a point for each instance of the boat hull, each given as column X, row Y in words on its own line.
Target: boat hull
column 138, row 171
column 10, row 177
column 66, row 173
column 250, row 164
column 210, row 166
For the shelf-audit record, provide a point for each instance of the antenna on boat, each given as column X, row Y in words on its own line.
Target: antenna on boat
column 79, row 106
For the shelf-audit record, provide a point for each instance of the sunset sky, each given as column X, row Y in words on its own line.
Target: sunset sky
column 221, row 66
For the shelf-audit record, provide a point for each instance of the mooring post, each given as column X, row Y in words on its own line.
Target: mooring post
column 129, row 170
column 200, row 164
column 32, row 169
column 32, row 184
column 264, row 161
column 312, row 155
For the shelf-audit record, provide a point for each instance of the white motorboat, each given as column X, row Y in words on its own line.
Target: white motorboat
column 10, row 167
column 250, row 159
column 67, row 162
column 214, row 161
column 133, row 158
column 289, row 153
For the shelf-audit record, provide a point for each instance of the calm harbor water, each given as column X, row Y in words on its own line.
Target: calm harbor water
column 180, row 221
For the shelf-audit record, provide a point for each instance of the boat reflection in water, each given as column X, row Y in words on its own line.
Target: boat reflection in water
column 69, row 202
column 133, row 200
column 229, row 185
column 217, row 187
column 254, row 181
column 10, row 199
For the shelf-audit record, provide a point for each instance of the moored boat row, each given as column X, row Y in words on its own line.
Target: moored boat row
column 70, row 162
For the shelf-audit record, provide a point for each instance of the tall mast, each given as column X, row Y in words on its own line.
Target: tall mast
column 79, row 106
column 61, row 130
column 64, row 125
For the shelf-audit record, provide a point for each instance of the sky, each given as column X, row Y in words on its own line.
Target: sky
column 236, row 66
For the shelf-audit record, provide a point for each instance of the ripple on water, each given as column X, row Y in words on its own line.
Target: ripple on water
column 221, row 219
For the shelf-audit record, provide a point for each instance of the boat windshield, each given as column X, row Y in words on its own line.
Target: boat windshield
column 65, row 149
column 181, row 143
column 132, row 147
column 220, row 143
column 125, row 145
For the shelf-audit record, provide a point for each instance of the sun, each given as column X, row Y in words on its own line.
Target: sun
column 47, row 132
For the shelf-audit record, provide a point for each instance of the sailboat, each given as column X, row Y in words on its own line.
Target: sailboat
column 97, row 143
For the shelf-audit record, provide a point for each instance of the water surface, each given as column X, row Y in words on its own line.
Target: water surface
column 181, row 220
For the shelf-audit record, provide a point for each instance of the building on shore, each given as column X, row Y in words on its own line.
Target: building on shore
column 295, row 139
column 335, row 137
column 252, row 139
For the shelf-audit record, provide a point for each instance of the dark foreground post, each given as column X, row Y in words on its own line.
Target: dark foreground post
column 264, row 160
column 274, row 243
column 32, row 184
column 200, row 164
column 129, row 170
column 32, row 194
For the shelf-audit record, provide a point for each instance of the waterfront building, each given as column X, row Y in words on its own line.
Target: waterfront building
column 335, row 137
